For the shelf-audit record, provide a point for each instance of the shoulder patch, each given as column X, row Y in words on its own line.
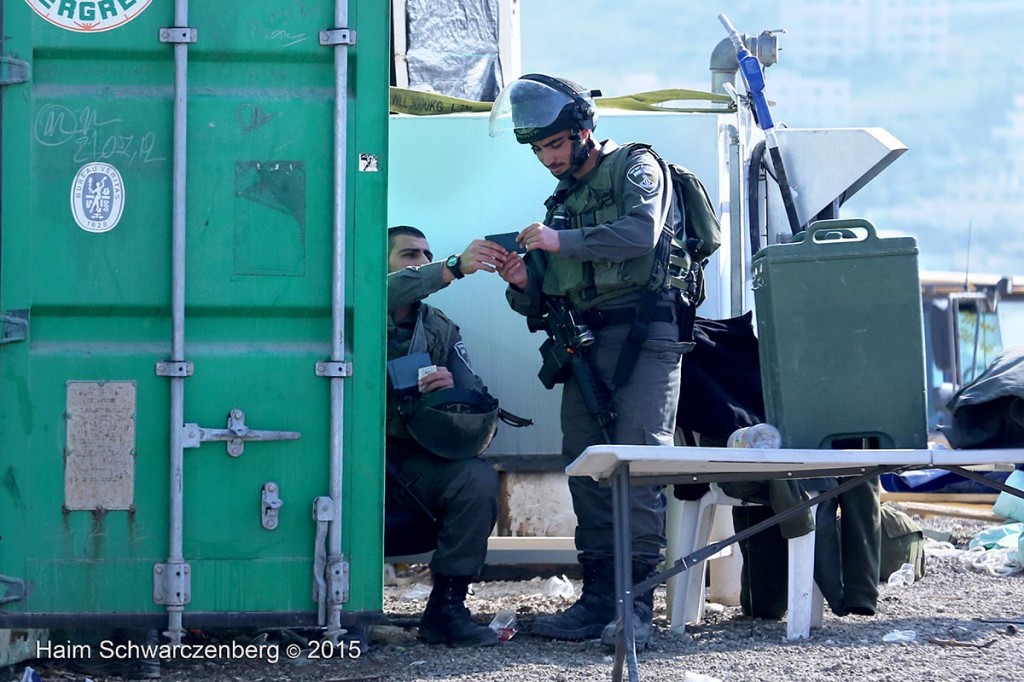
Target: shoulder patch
column 644, row 175
column 460, row 349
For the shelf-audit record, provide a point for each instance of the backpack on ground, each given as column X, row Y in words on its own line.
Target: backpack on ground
column 902, row 543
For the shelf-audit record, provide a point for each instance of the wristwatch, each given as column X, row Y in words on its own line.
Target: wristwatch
column 453, row 264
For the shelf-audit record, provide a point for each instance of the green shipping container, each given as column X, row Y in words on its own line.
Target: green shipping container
column 192, row 289
column 841, row 338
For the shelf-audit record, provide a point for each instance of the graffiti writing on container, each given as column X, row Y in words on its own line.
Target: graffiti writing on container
column 426, row 105
column 93, row 139
column 289, row 38
column 250, row 117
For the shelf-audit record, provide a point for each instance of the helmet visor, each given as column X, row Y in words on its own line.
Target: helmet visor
column 525, row 105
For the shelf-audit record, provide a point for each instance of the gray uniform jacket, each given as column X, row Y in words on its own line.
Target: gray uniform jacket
column 632, row 235
column 646, row 405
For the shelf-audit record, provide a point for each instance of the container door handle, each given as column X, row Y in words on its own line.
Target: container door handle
column 235, row 434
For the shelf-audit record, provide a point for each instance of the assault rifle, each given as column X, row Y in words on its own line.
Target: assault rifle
column 564, row 352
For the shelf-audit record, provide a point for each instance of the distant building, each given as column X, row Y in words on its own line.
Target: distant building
column 821, row 32
column 809, row 102
column 1013, row 137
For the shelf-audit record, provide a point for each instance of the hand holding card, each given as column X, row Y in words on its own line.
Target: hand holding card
column 507, row 240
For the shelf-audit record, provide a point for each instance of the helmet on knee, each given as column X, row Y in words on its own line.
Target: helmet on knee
column 453, row 423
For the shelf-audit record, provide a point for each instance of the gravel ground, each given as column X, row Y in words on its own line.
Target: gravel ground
column 951, row 612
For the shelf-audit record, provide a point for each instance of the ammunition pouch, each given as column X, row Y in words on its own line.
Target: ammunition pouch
column 556, row 364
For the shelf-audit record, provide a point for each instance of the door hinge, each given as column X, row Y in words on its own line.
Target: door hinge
column 14, row 326
column 14, row 590
column 14, row 71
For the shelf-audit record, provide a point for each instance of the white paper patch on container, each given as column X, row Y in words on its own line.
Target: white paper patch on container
column 97, row 197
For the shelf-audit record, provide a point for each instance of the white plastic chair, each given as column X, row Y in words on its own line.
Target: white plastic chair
column 689, row 528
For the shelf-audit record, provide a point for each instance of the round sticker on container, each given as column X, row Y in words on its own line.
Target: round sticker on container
column 88, row 16
column 97, row 197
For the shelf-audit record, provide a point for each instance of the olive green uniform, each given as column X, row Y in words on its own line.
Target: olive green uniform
column 461, row 495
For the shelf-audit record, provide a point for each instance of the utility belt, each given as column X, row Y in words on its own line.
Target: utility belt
column 596, row 318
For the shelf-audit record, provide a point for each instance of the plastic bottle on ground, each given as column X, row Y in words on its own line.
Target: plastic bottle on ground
column 902, row 576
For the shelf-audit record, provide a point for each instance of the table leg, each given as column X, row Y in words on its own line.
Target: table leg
column 625, row 640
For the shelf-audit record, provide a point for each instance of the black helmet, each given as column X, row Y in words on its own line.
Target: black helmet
column 454, row 423
column 536, row 106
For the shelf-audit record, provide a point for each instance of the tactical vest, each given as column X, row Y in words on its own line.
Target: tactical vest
column 590, row 203
column 440, row 332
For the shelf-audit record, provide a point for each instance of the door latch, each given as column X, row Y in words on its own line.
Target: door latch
column 235, row 434
column 270, row 503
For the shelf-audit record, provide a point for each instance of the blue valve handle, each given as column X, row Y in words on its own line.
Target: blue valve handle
column 753, row 77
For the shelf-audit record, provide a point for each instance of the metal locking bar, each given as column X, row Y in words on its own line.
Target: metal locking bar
column 323, row 513
column 235, row 434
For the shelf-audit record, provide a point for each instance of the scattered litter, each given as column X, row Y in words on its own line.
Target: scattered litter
column 400, row 575
column 713, row 607
column 994, row 550
column 1004, row 536
column 504, row 624
column 903, row 576
column 556, row 586
column 418, row 591
column 900, row 636
column 997, row 562
column 954, row 642
column 1014, row 621
column 940, row 549
column 958, row 632
column 699, row 677
column 30, row 675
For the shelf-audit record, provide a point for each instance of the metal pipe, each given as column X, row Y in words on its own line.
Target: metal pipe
column 334, row 553
column 177, row 408
column 736, row 213
column 724, row 64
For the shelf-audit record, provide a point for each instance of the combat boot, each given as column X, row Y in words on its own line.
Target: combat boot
column 446, row 620
column 643, row 612
column 587, row 617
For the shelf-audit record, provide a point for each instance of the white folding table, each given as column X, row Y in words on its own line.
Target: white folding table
column 622, row 466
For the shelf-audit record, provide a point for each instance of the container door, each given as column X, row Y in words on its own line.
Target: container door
column 93, row 271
